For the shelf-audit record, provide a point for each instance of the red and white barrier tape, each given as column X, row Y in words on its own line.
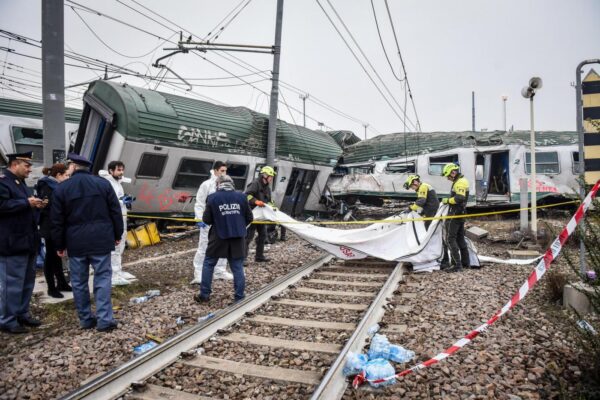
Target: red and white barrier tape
column 551, row 253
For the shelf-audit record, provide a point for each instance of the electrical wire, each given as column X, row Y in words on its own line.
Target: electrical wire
column 365, row 56
column 220, row 31
column 359, row 62
column 403, row 66
column 382, row 45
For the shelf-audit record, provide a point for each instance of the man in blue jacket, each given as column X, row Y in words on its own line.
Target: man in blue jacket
column 87, row 223
column 228, row 214
column 19, row 243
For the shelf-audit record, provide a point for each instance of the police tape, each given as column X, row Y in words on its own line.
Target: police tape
column 371, row 221
column 550, row 255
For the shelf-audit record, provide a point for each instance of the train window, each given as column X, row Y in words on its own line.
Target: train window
column 575, row 157
column 151, row 166
column 238, row 172
column 406, row 167
column 436, row 164
column 192, row 173
column 257, row 173
column 545, row 163
column 360, row 169
column 29, row 139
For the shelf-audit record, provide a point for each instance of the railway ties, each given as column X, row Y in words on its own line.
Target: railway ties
column 291, row 337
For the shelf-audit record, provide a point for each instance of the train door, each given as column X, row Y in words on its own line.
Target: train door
column 298, row 189
column 95, row 132
column 492, row 182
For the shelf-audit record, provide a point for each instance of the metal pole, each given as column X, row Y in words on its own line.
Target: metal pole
column 533, row 176
column 272, row 132
column 365, row 125
column 523, row 214
column 579, row 113
column 504, row 98
column 304, row 97
column 53, row 81
column 473, row 111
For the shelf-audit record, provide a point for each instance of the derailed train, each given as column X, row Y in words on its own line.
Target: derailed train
column 169, row 144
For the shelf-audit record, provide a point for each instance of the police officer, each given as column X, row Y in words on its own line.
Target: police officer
column 19, row 242
column 258, row 194
column 427, row 202
column 455, row 227
column 87, row 222
column 228, row 213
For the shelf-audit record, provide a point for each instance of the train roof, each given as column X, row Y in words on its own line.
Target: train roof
column 30, row 109
column 393, row 145
column 344, row 138
column 156, row 117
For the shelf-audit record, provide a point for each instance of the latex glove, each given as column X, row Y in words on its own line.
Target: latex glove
column 445, row 200
column 128, row 201
column 201, row 225
column 259, row 203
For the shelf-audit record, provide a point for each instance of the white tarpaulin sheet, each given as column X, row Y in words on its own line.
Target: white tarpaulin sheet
column 407, row 241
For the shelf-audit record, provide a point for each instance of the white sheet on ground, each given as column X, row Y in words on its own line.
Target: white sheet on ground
column 407, row 241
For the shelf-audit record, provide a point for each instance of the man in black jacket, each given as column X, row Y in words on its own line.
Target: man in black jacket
column 228, row 214
column 19, row 242
column 87, row 223
column 259, row 194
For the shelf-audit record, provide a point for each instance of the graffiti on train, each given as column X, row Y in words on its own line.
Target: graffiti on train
column 205, row 136
column 163, row 200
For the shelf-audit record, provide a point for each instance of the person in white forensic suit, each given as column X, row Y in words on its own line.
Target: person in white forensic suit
column 116, row 170
column 207, row 187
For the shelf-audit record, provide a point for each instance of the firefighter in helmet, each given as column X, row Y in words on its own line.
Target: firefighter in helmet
column 427, row 202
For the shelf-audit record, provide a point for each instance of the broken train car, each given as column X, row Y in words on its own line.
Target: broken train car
column 169, row 144
column 493, row 162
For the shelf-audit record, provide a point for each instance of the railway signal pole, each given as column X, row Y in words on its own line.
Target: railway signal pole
column 53, row 81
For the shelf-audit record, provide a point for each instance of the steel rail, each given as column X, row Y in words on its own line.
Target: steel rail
column 117, row 382
column 334, row 383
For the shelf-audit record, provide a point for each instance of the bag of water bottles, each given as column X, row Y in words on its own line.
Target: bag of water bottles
column 355, row 364
column 379, row 368
column 399, row 354
column 380, row 347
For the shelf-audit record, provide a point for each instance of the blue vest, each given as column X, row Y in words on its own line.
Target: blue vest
column 18, row 227
column 228, row 211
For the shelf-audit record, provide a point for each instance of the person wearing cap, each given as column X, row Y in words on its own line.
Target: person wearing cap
column 19, row 242
column 207, row 188
column 455, row 227
column 116, row 170
column 427, row 202
column 258, row 193
column 228, row 213
column 87, row 224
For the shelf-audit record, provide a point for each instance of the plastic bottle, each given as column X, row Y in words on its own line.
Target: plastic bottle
column 137, row 300
column 373, row 330
column 379, row 368
column 180, row 321
column 153, row 293
column 207, row 316
column 380, row 347
column 142, row 348
column 399, row 354
column 355, row 364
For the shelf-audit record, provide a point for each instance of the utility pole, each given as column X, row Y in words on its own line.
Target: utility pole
column 366, row 126
column 53, row 81
column 504, row 98
column 304, row 97
column 473, row 111
column 272, row 132
column 579, row 114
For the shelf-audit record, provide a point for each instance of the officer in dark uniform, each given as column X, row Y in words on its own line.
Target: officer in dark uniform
column 228, row 213
column 258, row 194
column 19, row 243
column 87, row 221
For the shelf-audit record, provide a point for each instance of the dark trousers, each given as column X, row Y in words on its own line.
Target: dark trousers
column 237, row 269
column 17, row 279
column 455, row 242
column 260, row 240
column 53, row 269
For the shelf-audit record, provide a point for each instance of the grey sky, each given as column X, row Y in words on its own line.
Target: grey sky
column 449, row 47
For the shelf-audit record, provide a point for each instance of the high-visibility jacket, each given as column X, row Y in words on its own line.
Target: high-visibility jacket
column 459, row 195
column 427, row 202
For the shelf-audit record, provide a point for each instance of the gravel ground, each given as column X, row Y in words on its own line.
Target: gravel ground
column 527, row 354
column 56, row 358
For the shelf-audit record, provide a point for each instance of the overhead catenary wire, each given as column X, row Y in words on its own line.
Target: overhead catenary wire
column 360, row 63
column 365, row 57
column 220, row 30
column 383, row 45
column 403, row 66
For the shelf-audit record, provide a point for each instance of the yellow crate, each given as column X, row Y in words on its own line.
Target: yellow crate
column 145, row 235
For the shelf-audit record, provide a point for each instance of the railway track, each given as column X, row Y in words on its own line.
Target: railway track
column 290, row 337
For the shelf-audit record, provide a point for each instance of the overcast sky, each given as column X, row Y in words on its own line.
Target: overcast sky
column 450, row 48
